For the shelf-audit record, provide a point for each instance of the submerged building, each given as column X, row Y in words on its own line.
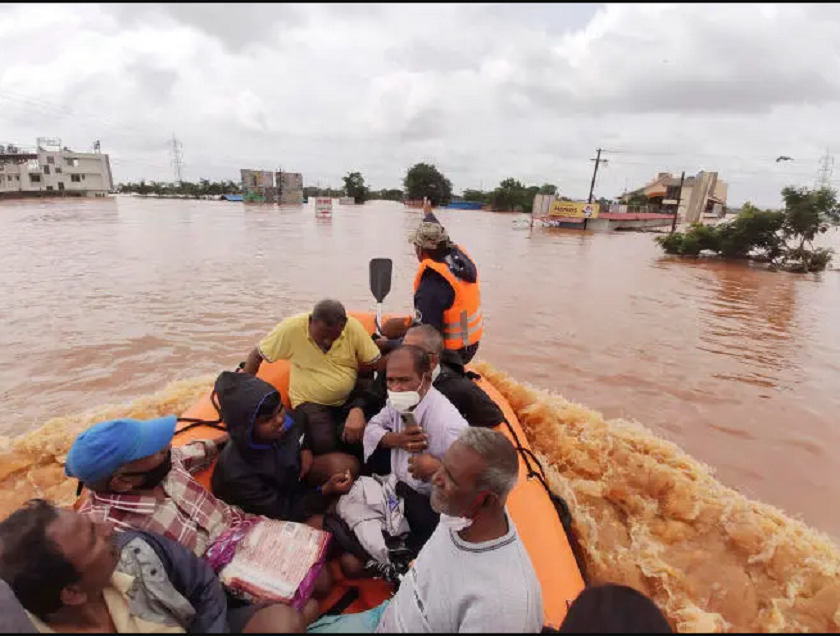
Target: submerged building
column 264, row 186
column 290, row 186
column 702, row 195
column 51, row 169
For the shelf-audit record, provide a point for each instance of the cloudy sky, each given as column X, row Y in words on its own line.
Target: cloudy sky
column 483, row 91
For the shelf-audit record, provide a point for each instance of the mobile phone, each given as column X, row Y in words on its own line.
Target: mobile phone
column 409, row 419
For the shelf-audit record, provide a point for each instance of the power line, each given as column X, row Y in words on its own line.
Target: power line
column 758, row 170
column 53, row 109
column 740, row 157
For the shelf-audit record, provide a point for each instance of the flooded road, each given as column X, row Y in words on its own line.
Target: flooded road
column 105, row 300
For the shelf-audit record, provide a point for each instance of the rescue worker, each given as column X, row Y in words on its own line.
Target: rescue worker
column 447, row 294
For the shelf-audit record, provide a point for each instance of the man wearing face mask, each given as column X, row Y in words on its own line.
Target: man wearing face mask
column 136, row 480
column 261, row 470
column 417, row 425
column 449, row 377
column 474, row 575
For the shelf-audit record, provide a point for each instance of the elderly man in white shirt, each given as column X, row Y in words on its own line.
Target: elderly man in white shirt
column 474, row 575
column 418, row 425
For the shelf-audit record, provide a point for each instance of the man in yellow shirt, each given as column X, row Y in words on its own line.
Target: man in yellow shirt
column 327, row 350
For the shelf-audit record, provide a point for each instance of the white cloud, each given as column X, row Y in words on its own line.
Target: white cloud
column 485, row 91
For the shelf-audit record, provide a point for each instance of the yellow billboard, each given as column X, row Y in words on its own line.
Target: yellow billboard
column 573, row 209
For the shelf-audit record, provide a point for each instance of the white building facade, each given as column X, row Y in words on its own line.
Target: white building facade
column 53, row 171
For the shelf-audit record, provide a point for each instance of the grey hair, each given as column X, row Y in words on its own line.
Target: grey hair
column 432, row 338
column 500, row 458
column 330, row 312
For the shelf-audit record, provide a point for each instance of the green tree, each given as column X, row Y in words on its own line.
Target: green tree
column 203, row 188
column 808, row 212
column 425, row 180
column 752, row 232
column 391, row 194
column 782, row 238
column 475, row 196
column 354, row 186
column 637, row 198
column 531, row 193
column 547, row 188
column 510, row 195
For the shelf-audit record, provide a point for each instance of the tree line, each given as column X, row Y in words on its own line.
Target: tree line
column 783, row 238
column 425, row 180
column 421, row 180
column 203, row 188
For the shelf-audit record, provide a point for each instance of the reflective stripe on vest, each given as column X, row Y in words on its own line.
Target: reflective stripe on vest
column 467, row 325
column 463, row 324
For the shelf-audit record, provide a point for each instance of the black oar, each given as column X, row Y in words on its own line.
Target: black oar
column 380, row 284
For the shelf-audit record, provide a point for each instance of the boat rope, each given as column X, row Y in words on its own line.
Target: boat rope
column 560, row 505
column 193, row 422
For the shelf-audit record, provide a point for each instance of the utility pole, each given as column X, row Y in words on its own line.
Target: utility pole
column 679, row 200
column 597, row 161
column 177, row 159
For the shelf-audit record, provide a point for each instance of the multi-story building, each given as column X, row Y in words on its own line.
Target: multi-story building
column 264, row 186
column 53, row 170
column 258, row 186
column 702, row 195
column 290, row 185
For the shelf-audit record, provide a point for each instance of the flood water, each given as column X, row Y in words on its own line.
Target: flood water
column 102, row 301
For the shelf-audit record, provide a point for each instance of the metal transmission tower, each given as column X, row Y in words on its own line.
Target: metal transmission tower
column 825, row 172
column 177, row 158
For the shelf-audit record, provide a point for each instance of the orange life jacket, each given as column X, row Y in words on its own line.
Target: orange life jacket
column 462, row 323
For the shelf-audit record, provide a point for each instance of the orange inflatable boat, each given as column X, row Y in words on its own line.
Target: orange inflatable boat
column 537, row 519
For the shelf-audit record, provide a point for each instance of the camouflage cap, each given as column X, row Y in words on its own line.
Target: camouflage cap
column 430, row 236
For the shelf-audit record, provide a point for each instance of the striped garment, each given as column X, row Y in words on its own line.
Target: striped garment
column 188, row 514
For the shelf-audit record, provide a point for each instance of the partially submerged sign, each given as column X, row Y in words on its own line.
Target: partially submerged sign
column 323, row 206
column 575, row 210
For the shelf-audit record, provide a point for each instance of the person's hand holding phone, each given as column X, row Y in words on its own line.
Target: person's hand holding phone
column 413, row 439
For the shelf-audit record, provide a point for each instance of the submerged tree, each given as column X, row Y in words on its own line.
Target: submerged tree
column 390, row 194
column 203, row 188
column 354, row 186
column 783, row 238
column 425, row 180
column 476, row 196
column 510, row 195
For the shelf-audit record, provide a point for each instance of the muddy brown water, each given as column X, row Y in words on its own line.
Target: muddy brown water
column 102, row 301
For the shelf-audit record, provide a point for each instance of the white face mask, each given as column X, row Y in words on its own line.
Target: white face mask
column 435, row 373
column 455, row 523
column 403, row 401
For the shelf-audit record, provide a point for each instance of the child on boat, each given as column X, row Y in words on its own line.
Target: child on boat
column 262, row 470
